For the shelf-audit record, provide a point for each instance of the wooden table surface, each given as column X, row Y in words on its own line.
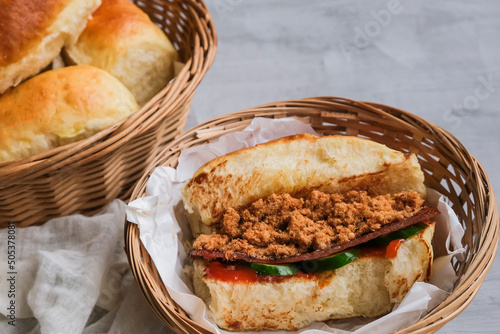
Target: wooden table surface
column 438, row 60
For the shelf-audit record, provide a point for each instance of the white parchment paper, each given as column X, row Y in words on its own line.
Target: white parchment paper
column 164, row 231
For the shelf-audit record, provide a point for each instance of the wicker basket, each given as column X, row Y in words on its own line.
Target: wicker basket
column 86, row 175
column 448, row 167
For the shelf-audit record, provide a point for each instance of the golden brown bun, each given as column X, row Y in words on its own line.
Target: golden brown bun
column 297, row 165
column 33, row 32
column 58, row 107
column 121, row 39
column 369, row 286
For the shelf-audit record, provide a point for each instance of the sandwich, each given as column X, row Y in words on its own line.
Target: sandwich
column 305, row 229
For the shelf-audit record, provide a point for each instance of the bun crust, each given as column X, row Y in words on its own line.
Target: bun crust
column 369, row 286
column 297, row 165
column 33, row 33
column 121, row 39
column 58, row 107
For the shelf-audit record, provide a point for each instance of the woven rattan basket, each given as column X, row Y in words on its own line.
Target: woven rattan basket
column 86, row 175
column 449, row 168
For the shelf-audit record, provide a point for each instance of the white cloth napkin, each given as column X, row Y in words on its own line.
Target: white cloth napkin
column 72, row 276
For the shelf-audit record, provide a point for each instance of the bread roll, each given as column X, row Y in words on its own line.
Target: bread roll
column 33, row 32
column 297, row 165
column 369, row 286
column 58, row 107
column 122, row 40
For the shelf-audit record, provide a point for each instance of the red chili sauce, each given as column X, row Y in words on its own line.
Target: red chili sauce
column 392, row 249
column 367, row 251
column 237, row 272
column 389, row 251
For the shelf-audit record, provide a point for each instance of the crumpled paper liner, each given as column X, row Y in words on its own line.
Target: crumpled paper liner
column 164, row 231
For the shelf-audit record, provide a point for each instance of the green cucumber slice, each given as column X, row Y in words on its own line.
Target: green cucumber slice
column 404, row 233
column 271, row 269
column 411, row 230
column 332, row 262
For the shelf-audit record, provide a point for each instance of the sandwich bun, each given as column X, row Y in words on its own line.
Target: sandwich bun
column 296, row 165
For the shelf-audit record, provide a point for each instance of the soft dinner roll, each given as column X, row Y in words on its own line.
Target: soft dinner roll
column 33, row 32
column 58, row 107
column 121, row 39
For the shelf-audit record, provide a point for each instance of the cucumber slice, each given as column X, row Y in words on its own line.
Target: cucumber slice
column 411, row 230
column 404, row 233
column 271, row 269
column 332, row 262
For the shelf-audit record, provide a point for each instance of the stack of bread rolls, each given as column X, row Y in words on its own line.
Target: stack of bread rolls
column 115, row 60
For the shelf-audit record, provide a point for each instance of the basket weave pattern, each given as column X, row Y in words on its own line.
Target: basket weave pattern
column 86, row 175
column 448, row 167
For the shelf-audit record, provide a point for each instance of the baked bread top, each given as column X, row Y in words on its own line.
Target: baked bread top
column 58, row 107
column 33, row 33
column 297, row 165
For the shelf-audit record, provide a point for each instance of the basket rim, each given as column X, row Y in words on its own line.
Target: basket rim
column 175, row 93
column 482, row 258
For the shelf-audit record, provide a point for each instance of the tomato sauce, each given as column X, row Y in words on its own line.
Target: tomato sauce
column 392, row 249
column 389, row 251
column 237, row 272
column 373, row 251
